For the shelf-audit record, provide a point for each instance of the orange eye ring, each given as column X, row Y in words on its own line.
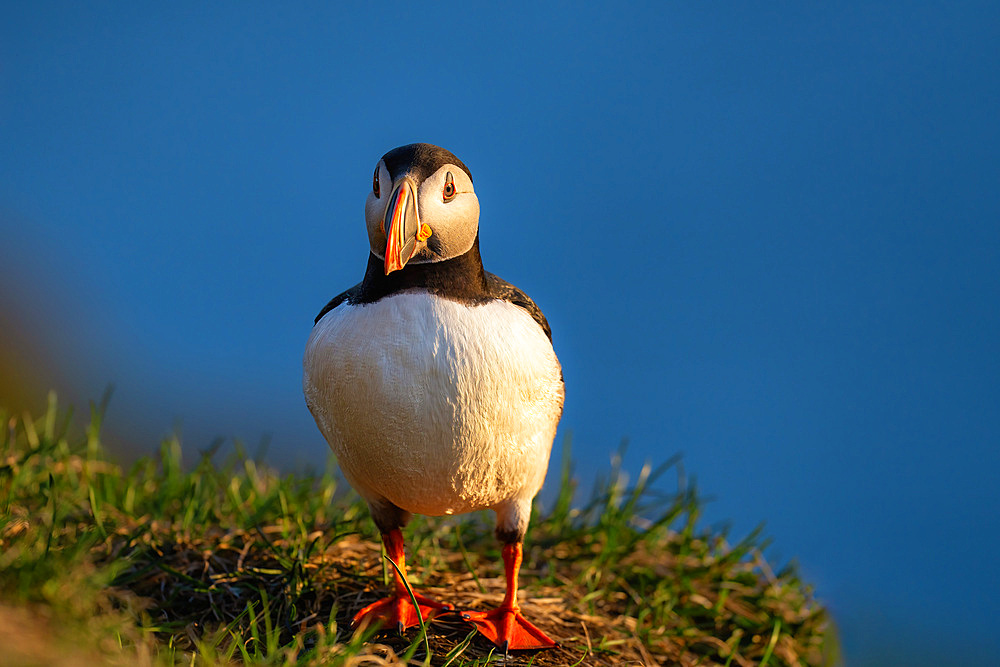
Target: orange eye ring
column 375, row 183
column 449, row 187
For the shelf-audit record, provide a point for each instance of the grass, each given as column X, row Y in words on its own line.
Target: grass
column 231, row 562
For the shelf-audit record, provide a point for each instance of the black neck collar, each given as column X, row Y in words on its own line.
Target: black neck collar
column 460, row 278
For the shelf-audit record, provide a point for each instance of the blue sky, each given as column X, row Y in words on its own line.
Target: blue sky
column 767, row 238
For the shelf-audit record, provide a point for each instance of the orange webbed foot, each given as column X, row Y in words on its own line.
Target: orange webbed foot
column 398, row 611
column 505, row 626
column 508, row 629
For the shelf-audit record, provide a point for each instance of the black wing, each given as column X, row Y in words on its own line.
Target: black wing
column 501, row 289
column 349, row 295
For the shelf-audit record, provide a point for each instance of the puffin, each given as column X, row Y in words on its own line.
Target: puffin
column 435, row 382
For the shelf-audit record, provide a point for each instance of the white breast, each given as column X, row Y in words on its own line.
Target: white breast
column 437, row 406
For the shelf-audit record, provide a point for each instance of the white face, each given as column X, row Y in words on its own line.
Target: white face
column 453, row 220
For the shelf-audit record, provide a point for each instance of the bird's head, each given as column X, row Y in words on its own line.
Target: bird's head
column 421, row 208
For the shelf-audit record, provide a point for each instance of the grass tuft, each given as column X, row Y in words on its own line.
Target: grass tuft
column 231, row 562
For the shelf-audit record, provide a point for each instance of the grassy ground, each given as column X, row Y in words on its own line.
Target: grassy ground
column 231, row 562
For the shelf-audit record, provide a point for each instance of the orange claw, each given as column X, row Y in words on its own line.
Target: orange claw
column 505, row 626
column 397, row 609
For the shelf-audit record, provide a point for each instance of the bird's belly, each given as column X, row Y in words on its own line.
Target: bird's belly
column 434, row 405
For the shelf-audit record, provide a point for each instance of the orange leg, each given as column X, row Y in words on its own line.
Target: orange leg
column 398, row 609
column 505, row 626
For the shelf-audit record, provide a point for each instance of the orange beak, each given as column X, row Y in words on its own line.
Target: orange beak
column 401, row 225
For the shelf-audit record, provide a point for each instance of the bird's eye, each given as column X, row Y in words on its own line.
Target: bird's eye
column 375, row 183
column 449, row 187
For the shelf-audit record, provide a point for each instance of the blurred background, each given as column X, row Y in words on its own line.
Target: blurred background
column 766, row 237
